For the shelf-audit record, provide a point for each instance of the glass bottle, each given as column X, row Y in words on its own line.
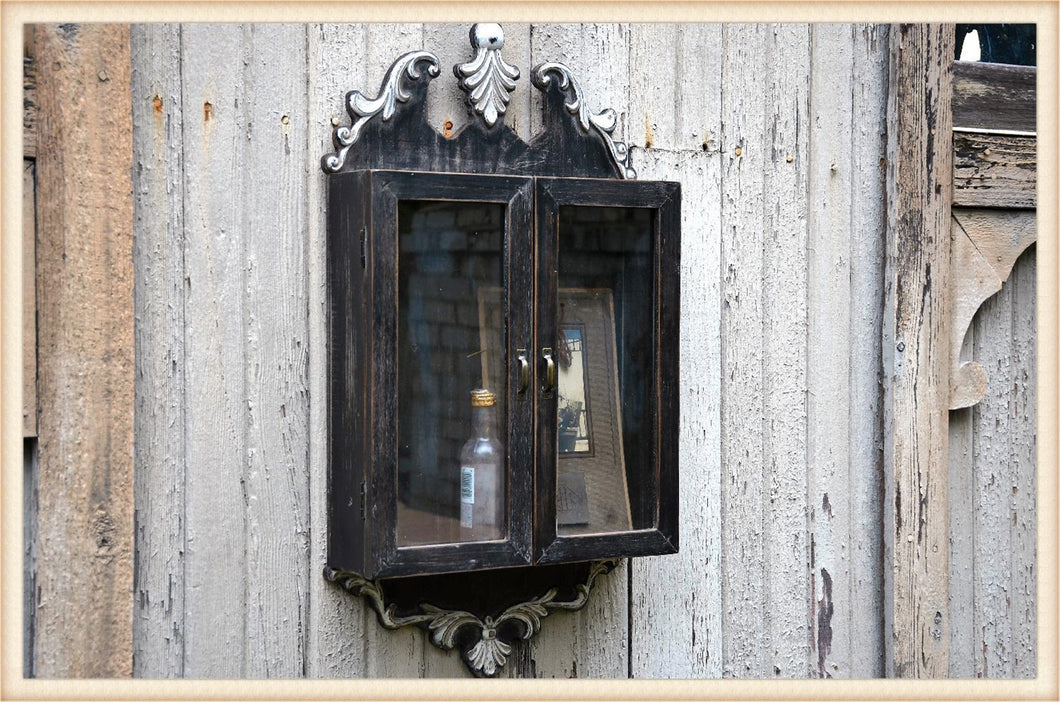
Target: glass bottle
column 481, row 474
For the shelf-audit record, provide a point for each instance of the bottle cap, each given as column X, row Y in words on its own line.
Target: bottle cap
column 482, row 398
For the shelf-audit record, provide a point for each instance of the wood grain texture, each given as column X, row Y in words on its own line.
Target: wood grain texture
column 85, row 353
column 676, row 632
column 747, row 647
column 276, row 483
column 786, row 93
column 158, row 262
column 867, row 246
column 828, row 352
column 215, row 119
column 915, row 347
column 1004, row 454
column 991, row 170
column 994, row 96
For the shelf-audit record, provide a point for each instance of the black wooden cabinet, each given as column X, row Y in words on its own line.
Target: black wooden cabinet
column 559, row 296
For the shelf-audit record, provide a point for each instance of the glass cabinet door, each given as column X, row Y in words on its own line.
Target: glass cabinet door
column 453, row 407
column 607, row 338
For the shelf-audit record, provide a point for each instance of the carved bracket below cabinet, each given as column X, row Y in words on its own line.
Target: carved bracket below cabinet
column 985, row 244
column 508, row 605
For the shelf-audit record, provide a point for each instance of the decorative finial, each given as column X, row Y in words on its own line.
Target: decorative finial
column 362, row 109
column 487, row 79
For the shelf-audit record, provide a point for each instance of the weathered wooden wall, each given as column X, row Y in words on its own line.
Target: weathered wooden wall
column 777, row 133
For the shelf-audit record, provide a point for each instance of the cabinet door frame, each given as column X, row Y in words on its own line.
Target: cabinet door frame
column 382, row 253
column 664, row 199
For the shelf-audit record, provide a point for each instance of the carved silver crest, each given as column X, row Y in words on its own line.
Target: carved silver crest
column 603, row 123
column 487, row 79
column 391, row 92
column 489, row 653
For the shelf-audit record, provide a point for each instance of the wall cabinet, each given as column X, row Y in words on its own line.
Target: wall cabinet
column 556, row 300
column 503, row 356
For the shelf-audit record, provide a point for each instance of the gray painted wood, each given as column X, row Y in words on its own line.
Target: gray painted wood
column 676, row 632
column 214, row 393
column 781, row 401
column 1004, row 530
column 158, row 263
column 276, row 415
column 864, row 613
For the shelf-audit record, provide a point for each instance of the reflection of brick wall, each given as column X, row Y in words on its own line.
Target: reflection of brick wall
column 447, row 250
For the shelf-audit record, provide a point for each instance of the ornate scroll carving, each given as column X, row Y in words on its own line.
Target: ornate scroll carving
column 487, row 79
column 363, row 109
column 603, row 123
column 486, row 651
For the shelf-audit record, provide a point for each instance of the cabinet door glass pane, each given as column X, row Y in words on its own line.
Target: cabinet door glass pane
column 604, row 355
column 452, row 472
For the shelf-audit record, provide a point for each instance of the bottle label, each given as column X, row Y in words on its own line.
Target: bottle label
column 467, row 495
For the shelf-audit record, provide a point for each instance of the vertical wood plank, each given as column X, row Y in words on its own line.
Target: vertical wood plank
column 654, row 77
column 867, row 244
column 994, row 485
column 158, row 262
column 1023, row 611
column 962, row 545
column 593, row 642
column 784, row 340
column 337, row 621
column 1004, row 441
column 828, row 346
column 744, row 595
column 85, row 360
column 276, row 483
column 676, row 632
column 216, row 179
column 915, row 339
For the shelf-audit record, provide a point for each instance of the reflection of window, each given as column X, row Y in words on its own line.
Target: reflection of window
column 573, row 402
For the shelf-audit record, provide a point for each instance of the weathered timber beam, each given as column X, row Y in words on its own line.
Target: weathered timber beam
column 83, row 601
column 994, row 96
column 916, row 348
column 994, row 170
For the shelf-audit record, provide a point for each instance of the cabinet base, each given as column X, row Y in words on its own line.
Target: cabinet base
column 479, row 613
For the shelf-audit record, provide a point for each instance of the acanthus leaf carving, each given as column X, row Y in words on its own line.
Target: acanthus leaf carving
column 487, row 79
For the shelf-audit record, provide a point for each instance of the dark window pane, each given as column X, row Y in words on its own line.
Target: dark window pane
column 604, row 352
column 998, row 43
column 450, row 342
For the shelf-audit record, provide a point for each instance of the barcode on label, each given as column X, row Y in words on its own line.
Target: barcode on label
column 467, row 485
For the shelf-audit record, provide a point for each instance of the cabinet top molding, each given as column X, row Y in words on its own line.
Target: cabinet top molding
column 488, row 81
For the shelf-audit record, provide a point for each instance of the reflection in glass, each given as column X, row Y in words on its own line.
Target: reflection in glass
column 573, row 434
column 605, row 443
column 448, row 253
